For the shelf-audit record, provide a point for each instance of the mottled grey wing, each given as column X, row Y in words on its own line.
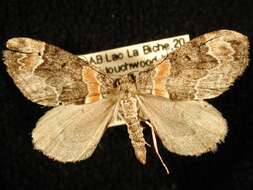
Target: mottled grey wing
column 70, row 133
column 200, row 69
column 185, row 127
column 50, row 76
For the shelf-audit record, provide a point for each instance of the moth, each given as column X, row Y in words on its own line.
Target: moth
column 168, row 96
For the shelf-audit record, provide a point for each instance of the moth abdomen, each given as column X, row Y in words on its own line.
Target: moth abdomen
column 129, row 110
column 138, row 142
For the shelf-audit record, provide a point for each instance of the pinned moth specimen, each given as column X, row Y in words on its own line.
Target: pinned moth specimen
column 170, row 94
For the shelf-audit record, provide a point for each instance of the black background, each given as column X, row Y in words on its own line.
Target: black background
column 89, row 26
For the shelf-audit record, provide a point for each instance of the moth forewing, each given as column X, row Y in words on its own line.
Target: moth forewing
column 202, row 68
column 48, row 75
column 70, row 133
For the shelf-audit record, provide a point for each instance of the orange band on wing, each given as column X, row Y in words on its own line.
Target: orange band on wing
column 159, row 80
column 93, row 85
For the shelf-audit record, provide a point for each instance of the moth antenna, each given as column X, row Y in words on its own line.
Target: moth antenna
column 99, row 70
column 156, row 147
column 84, row 58
column 160, row 61
column 94, row 67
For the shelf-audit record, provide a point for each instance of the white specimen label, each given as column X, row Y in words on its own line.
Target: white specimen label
column 136, row 57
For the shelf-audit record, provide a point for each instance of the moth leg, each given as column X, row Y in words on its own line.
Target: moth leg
column 147, row 144
column 117, row 119
column 155, row 145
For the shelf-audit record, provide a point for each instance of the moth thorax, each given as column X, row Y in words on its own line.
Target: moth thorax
column 126, row 83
